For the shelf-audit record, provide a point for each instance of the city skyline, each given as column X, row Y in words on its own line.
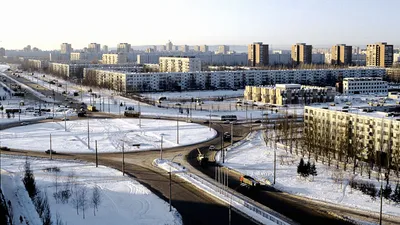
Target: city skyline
column 154, row 22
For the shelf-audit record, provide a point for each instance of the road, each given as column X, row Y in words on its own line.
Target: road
column 194, row 205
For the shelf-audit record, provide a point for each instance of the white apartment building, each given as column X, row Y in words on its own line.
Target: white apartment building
column 179, row 64
column 201, row 80
column 364, row 85
column 114, row 58
column 37, row 64
column 66, row 48
column 363, row 129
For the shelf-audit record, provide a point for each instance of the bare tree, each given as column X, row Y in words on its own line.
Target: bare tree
column 75, row 198
column 83, row 200
column 96, row 199
column 56, row 177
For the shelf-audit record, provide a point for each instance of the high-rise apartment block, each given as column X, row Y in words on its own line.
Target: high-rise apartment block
column 196, row 48
column 301, row 53
column 2, row 52
column 66, row 48
column 105, row 49
column 380, row 54
column 123, row 48
column 184, row 48
column 94, row 48
column 258, row 54
column 341, row 54
column 223, row 49
column 169, row 46
column 204, row 48
column 180, row 64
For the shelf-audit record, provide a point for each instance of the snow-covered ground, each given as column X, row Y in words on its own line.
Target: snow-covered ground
column 252, row 157
column 123, row 200
column 195, row 94
column 109, row 133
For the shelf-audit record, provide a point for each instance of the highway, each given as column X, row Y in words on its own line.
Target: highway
column 197, row 207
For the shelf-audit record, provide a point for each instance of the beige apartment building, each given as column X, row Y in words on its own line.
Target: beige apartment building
column 66, row 48
column 258, row 54
column 341, row 54
column 282, row 94
column 364, row 129
column 123, row 48
column 380, row 54
column 223, row 49
column 114, row 58
column 301, row 53
column 94, row 48
column 179, row 64
column 204, row 48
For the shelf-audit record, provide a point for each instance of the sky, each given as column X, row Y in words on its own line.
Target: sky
column 48, row 23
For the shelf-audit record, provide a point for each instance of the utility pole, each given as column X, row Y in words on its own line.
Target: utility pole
column 51, row 156
column 65, row 120
column 161, row 146
column 97, row 162
column 209, row 122
column 53, row 103
column 251, row 122
column 140, row 119
column 177, row 130
column 380, row 212
column 88, row 134
column 231, row 133
column 123, row 159
column 275, row 157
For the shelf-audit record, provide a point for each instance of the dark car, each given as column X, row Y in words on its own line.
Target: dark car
column 206, row 121
column 227, row 136
column 4, row 148
column 257, row 121
column 50, row 150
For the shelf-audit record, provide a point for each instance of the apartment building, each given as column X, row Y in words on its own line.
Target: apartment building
column 105, row 49
column 114, row 58
column 365, row 130
column 2, row 52
column 123, row 48
column 258, row 54
column 179, row 64
column 204, row 48
column 196, row 48
column 37, row 64
column 77, row 69
column 209, row 58
column 282, row 94
column 380, row 54
column 364, row 85
column 341, row 54
column 184, row 48
column 301, row 53
column 223, row 49
column 169, row 46
column 93, row 48
column 205, row 80
column 66, row 48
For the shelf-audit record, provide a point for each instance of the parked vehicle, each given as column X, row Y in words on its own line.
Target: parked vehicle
column 211, row 148
column 50, row 150
column 227, row 136
column 4, row 148
column 249, row 181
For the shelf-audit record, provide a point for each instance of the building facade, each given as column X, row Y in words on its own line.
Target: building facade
column 258, row 54
column 206, row 80
column 204, row 48
column 364, row 85
column 114, row 58
column 301, row 53
column 184, row 48
column 179, row 64
column 66, row 48
column 380, row 54
column 94, row 48
column 282, row 94
column 123, row 48
column 367, row 133
column 223, row 49
column 2, row 52
column 341, row 54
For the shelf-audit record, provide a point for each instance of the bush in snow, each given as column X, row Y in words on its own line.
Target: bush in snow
column 396, row 194
column 387, row 192
column 302, row 169
column 365, row 187
column 29, row 181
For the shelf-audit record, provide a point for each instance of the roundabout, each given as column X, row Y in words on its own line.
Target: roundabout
column 79, row 136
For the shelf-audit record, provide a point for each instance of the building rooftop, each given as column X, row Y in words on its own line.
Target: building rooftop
column 362, row 78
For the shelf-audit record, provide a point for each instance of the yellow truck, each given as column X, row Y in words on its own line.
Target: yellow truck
column 91, row 108
column 249, row 181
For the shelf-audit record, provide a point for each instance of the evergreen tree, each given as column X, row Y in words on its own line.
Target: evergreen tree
column 29, row 181
column 300, row 167
column 307, row 169
column 313, row 170
column 387, row 191
column 396, row 194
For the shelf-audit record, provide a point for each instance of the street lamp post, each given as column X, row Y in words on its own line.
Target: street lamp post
column 161, row 146
column 222, row 141
column 170, row 183
column 177, row 130
column 380, row 212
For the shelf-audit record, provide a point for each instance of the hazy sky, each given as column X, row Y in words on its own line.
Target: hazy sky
column 48, row 23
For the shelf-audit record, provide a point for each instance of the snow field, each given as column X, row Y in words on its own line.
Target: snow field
column 252, row 157
column 123, row 200
column 110, row 134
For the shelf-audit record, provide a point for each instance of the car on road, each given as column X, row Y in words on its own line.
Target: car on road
column 4, row 148
column 65, row 119
column 227, row 122
column 257, row 121
column 227, row 136
column 211, row 148
column 48, row 151
column 49, row 117
column 24, row 123
column 206, row 121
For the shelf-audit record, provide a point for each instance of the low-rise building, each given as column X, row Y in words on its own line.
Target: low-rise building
column 180, row 64
column 282, row 94
column 364, row 85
